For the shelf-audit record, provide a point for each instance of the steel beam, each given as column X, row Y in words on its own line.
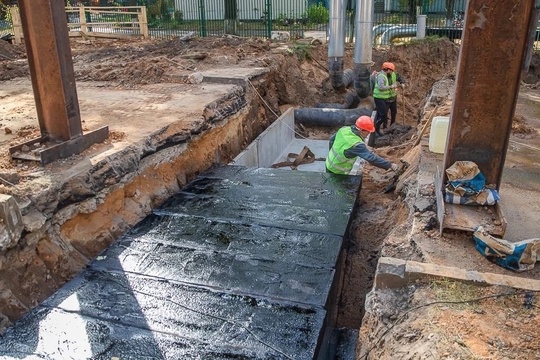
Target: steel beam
column 53, row 80
column 487, row 84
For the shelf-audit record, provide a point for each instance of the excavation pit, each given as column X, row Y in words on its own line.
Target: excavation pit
column 79, row 206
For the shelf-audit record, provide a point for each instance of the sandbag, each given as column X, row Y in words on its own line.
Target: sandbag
column 467, row 186
column 484, row 197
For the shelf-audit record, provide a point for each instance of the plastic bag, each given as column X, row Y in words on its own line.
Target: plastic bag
column 467, row 186
column 518, row 256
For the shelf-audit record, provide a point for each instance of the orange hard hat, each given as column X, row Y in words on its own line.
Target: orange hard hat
column 388, row 65
column 364, row 122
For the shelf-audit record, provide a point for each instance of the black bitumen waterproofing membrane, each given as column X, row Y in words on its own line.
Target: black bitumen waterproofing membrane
column 239, row 265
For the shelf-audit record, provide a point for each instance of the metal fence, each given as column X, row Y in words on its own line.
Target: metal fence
column 393, row 21
column 259, row 18
column 245, row 18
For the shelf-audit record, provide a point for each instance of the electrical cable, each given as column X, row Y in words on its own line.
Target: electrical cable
column 273, row 112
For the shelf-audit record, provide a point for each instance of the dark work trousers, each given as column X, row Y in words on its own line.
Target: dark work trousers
column 392, row 105
column 382, row 114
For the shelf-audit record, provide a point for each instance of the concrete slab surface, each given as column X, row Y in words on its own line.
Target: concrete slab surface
column 137, row 112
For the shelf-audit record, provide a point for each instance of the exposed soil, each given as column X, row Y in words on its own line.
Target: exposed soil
column 493, row 329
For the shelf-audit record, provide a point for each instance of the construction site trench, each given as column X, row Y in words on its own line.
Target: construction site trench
column 167, row 127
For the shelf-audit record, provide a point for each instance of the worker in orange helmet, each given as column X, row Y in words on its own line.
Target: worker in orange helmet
column 348, row 143
column 385, row 95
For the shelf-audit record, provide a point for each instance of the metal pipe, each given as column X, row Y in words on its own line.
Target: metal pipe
column 336, row 44
column 397, row 32
column 378, row 30
column 363, row 47
column 363, row 32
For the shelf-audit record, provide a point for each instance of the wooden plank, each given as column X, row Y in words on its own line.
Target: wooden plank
column 110, row 36
column 99, row 11
column 468, row 218
column 424, row 128
column 143, row 23
column 439, row 198
column 17, row 25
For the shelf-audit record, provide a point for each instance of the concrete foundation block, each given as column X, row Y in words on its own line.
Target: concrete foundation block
column 281, row 35
column 416, row 270
column 319, row 35
column 11, row 225
column 391, row 273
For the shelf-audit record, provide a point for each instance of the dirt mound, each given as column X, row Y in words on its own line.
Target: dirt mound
column 12, row 61
column 146, row 62
column 9, row 51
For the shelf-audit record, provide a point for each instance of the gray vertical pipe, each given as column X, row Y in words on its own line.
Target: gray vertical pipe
column 363, row 47
column 336, row 44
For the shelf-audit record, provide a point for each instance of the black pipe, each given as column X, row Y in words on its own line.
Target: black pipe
column 339, row 78
column 329, row 117
column 362, row 84
column 348, row 77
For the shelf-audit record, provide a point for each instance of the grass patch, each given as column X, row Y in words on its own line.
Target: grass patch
column 456, row 292
column 302, row 51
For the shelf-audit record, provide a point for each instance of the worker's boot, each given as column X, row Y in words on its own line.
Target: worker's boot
column 378, row 129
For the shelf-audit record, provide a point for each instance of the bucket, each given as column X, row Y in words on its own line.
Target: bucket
column 437, row 134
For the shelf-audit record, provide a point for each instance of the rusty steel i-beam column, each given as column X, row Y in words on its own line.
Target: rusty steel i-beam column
column 46, row 38
column 487, row 84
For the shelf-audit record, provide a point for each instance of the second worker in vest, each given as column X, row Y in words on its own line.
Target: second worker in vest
column 348, row 144
column 385, row 95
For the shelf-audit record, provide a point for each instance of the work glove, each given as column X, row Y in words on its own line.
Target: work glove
column 394, row 167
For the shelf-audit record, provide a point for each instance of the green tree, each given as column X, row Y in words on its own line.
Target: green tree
column 160, row 9
column 4, row 11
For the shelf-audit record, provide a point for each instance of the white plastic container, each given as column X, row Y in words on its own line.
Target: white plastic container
column 437, row 134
